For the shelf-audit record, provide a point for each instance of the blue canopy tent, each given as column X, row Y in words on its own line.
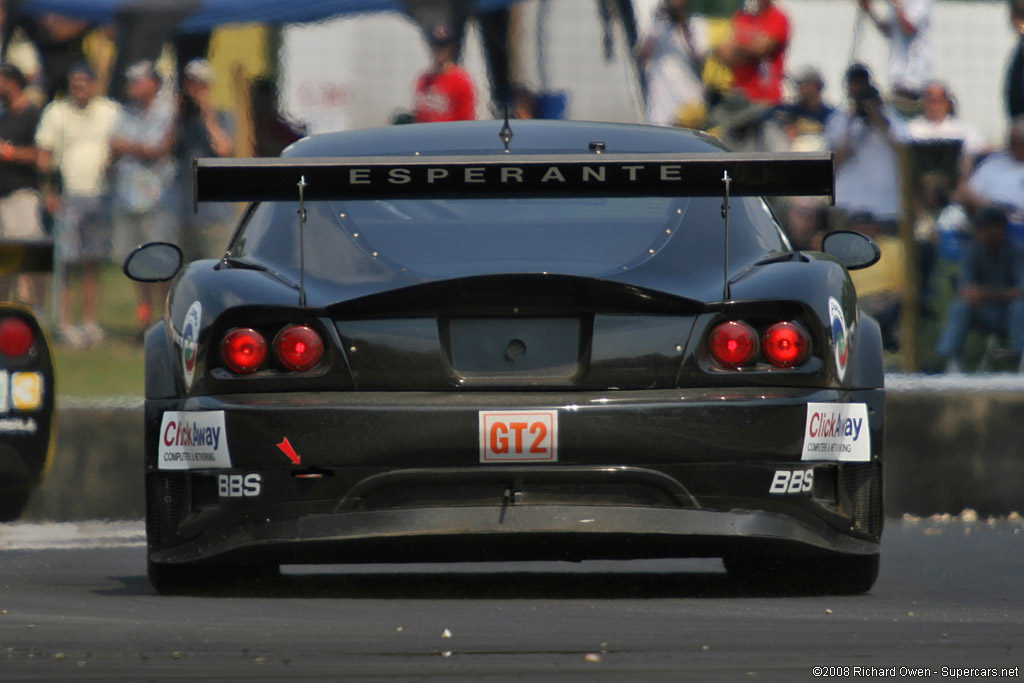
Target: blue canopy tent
column 200, row 16
column 144, row 25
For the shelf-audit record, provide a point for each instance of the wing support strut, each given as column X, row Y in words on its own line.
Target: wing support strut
column 725, row 215
column 302, row 184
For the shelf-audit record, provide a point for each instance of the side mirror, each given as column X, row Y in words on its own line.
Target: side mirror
column 853, row 249
column 153, row 262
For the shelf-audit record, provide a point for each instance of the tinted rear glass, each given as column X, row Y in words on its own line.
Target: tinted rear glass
column 362, row 241
column 446, row 238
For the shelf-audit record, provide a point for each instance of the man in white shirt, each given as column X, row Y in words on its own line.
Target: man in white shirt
column 999, row 181
column 906, row 26
column 673, row 53
column 863, row 136
column 73, row 138
column 938, row 122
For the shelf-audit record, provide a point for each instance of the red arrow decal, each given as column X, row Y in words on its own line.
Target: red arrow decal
column 287, row 449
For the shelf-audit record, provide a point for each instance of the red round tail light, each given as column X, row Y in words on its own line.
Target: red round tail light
column 16, row 337
column 299, row 348
column 785, row 344
column 733, row 344
column 244, row 350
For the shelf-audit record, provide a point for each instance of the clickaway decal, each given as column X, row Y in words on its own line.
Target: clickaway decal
column 193, row 441
column 837, row 432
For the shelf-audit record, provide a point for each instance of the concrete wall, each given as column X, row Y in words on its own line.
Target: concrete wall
column 97, row 470
column 945, row 451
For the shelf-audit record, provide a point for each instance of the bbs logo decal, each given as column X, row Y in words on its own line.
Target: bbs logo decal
column 189, row 341
column 791, row 481
column 239, row 486
column 840, row 341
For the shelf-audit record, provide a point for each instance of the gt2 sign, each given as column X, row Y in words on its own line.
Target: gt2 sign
column 518, row 436
column 787, row 482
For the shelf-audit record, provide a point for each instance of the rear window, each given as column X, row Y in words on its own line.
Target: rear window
column 446, row 238
column 591, row 237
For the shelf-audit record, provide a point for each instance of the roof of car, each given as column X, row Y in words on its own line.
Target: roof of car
column 484, row 137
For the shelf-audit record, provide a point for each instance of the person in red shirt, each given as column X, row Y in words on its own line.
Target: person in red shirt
column 757, row 50
column 444, row 92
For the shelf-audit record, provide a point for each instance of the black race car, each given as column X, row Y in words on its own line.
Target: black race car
column 484, row 341
column 26, row 385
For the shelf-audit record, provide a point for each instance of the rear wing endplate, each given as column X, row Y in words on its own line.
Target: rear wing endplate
column 499, row 176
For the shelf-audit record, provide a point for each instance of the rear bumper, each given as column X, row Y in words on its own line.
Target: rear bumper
column 398, row 476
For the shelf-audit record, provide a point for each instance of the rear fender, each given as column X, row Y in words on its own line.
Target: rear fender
column 160, row 375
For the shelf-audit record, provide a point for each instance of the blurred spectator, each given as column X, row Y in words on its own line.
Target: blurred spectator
column 1014, row 88
column 445, row 91
column 880, row 288
column 272, row 132
column 989, row 291
column 21, row 215
column 18, row 50
column 144, row 201
column 673, row 53
column 906, row 26
column 203, row 131
column 524, row 103
column 74, row 145
column 863, row 137
column 59, row 39
column 20, row 206
column 805, row 117
column 805, row 223
column 757, row 50
column 999, row 178
column 939, row 122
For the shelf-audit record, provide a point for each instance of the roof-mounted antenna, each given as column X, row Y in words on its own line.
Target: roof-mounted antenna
column 725, row 215
column 302, row 240
column 506, row 131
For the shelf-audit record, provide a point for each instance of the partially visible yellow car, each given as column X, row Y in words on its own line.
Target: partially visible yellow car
column 26, row 387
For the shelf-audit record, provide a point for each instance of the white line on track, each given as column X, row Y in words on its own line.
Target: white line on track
column 71, row 535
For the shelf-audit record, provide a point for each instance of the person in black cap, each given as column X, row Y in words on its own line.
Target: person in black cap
column 445, row 91
column 989, row 291
column 144, row 202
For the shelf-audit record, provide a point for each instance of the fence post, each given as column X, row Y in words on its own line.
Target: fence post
column 911, row 304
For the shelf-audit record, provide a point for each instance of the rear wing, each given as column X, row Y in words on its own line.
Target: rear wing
column 720, row 174
column 500, row 176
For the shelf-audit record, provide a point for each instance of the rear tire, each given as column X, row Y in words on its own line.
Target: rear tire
column 830, row 575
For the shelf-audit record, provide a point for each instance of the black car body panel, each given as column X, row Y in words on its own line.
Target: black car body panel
column 510, row 377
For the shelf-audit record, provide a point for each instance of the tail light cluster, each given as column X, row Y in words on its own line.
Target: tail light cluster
column 16, row 337
column 735, row 344
column 297, row 348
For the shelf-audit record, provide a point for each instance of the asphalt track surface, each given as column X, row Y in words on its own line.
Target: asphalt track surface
column 75, row 605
